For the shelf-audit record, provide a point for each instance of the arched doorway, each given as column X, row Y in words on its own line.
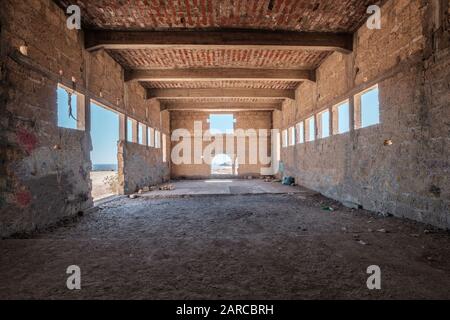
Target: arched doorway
column 222, row 164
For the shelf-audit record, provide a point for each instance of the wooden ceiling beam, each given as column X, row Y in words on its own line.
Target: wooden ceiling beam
column 220, row 93
column 220, row 74
column 227, row 38
column 219, row 106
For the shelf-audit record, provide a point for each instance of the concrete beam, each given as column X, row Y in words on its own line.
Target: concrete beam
column 219, row 106
column 218, row 74
column 228, row 38
column 220, row 93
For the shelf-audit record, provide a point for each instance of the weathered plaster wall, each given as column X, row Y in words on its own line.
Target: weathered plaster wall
column 45, row 169
column 142, row 166
column 410, row 178
column 244, row 120
column 139, row 165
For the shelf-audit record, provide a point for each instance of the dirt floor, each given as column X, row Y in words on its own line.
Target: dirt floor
column 261, row 246
column 101, row 189
column 222, row 187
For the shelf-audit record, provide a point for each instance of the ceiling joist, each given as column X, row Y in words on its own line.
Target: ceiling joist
column 220, row 93
column 219, row 106
column 227, row 38
column 218, row 74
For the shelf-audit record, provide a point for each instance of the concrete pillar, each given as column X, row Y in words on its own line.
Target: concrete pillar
column 144, row 135
column 355, row 112
column 123, row 134
column 134, row 127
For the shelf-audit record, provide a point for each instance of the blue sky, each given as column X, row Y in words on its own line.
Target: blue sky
column 344, row 118
column 64, row 120
column 104, row 127
column 130, row 130
column 312, row 135
column 221, row 123
column 105, row 134
column 370, row 113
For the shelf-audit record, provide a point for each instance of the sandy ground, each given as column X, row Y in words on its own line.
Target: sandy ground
column 221, row 187
column 262, row 246
column 222, row 170
column 100, row 189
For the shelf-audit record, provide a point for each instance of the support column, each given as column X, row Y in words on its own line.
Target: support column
column 355, row 112
column 316, row 126
column 144, row 135
column 86, row 104
column 123, row 134
column 333, row 121
column 82, row 109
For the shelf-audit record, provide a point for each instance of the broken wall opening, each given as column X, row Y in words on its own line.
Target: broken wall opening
column 104, row 154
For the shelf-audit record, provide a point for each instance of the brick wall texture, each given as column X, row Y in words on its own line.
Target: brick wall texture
column 45, row 169
column 244, row 120
column 410, row 178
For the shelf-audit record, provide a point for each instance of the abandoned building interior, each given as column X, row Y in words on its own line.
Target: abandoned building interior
column 358, row 115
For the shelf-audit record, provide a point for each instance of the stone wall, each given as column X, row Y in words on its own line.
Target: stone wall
column 244, row 120
column 410, row 177
column 142, row 166
column 45, row 169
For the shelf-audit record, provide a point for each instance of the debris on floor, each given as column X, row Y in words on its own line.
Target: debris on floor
column 154, row 188
column 167, row 187
column 269, row 179
column 288, row 181
column 328, row 209
column 351, row 205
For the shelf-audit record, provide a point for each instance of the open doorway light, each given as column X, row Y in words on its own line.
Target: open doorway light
column 104, row 135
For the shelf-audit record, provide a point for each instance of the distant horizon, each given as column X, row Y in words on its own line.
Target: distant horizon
column 105, row 135
column 105, row 167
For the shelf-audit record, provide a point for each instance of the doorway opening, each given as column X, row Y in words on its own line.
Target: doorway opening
column 222, row 164
column 105, row 137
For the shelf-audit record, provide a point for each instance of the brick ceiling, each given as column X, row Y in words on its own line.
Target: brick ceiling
column 280, row 85
column 294, row 15
column 209, row 58
column 287, row 15
column 231, row 100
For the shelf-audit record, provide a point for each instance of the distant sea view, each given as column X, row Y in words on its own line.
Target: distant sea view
column 104, row 167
